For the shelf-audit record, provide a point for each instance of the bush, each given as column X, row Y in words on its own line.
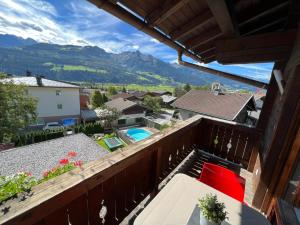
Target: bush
column 212, row 209
column 11, row 186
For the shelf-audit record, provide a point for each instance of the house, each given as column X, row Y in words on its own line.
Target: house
column 160, row 93
column 39, row 157
column 57, row 100
column 167, row 100
column 123, row 95
column 227, row 106
column 131, row 113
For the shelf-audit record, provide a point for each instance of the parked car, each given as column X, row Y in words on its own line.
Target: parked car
column 53, row 126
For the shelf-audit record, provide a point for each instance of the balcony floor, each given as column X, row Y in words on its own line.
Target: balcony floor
column 192, row 166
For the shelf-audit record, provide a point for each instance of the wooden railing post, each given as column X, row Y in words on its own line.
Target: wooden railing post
column 157, row 160
column 254, row 154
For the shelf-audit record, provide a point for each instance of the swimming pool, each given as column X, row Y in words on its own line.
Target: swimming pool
column 138, row 134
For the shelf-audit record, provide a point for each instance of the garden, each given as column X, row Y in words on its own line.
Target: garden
column 21, row 183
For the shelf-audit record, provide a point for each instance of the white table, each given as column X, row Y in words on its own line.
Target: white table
column 176, row 204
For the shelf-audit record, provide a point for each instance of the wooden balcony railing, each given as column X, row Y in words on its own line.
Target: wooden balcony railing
column 107, row 190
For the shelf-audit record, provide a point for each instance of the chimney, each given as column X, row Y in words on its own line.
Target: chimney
column 28, row 73
column 39, row 80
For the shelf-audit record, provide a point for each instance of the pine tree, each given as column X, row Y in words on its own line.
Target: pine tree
column 97, row 99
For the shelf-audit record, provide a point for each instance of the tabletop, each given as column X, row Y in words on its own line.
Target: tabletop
column 177, row 204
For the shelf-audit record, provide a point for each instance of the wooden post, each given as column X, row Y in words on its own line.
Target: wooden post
column 156, row 171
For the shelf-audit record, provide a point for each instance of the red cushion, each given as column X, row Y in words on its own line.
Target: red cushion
column 223, row 180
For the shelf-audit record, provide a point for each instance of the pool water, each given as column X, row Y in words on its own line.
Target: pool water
column 138, row 134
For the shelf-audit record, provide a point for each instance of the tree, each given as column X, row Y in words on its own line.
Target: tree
column 105, row 99
column 187, row 87
column 179, row 91
column 112, row 90
column 124, row 89
column 153, row 103
column 97, row 99
column 17, row 109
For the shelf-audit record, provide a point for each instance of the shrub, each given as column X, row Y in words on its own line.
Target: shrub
column 211, row 209
column 11, row 186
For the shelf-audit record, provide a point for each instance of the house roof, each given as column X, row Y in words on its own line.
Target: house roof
column 225, row 106
column 122, row 95
column 140, row 94
column 37, row 158
column 120, row 104
column 32, row 82
column 161, row 92
column 168, row 98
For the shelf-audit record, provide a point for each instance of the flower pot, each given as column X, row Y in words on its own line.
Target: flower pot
column 204, row 221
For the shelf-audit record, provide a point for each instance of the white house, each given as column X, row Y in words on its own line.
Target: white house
column 56, row 100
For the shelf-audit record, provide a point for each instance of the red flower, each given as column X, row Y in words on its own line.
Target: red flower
column 45, row 174
column 72, row 154
column 78, row 163
column 28, row 174
column 64, row 161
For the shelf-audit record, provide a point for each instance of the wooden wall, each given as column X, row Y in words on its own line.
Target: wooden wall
column 280, row 121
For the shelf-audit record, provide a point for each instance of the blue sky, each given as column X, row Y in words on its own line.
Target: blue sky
column 78, row 22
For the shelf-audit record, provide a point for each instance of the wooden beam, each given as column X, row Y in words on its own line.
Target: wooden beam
column 167, row 8
column 260, row 48
column 265, row 26
column 128, row 17
column 231, row 76
column 203, row 38
column 220, row 10
column 191, row 25
column 264, row 13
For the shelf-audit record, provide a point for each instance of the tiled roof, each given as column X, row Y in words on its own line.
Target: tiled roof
column 37, row 158
column 122, row 95
column 32, row 82
column 225, row 106
column 167, row 98
column 120, row 104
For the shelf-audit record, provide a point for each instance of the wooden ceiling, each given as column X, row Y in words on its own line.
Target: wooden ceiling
column 209, row 30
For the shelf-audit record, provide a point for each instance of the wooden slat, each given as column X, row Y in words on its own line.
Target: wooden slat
column 203, row 38
column 167, row 8
column 263, row 13
column 191, row 25
column 259, row 48
column 223, row 17
column 78, row 211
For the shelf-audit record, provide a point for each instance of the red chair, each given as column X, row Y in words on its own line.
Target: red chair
column 223, row 180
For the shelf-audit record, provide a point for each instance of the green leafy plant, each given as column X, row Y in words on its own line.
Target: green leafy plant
column 11, row 186
column 212, row 209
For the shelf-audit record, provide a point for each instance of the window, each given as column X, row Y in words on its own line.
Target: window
column 59, row 106
column 58, row 92
column 138, row 120
column 122, row 122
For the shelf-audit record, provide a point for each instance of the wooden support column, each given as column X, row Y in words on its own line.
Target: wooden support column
column 283, row 122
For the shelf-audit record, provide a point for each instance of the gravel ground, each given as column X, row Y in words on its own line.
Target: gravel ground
column 37, row 158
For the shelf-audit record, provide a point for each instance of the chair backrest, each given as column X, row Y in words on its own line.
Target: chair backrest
column 223, row 180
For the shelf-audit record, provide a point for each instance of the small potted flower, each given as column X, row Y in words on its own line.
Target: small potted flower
column 212, row 212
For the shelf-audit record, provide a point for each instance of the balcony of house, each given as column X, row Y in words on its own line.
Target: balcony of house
column 115, row 189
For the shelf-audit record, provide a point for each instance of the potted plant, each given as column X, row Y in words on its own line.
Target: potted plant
column 212, row 212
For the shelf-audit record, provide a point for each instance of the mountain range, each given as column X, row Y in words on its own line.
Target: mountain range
column 93, row 64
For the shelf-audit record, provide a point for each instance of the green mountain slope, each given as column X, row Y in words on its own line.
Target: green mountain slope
column 93, row 64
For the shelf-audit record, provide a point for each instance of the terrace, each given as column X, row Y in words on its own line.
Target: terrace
column 266, row 155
